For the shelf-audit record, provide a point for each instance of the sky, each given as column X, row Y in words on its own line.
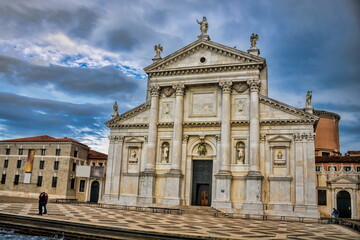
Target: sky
column 64, row 63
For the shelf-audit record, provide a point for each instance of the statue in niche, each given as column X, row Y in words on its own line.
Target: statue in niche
column 202, row 149
column 253, row 39
column 158, row 49
column 280, row 155
column 116, row 110
column 165, row 152
column 240, row 149
column 308, row 98
column 204, row 26
column 133, row 156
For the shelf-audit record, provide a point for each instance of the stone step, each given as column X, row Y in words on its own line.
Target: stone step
column 200, row 210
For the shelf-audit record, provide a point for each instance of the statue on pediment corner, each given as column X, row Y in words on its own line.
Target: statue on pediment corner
column 308, row 98
column 204, row 26
column 116, row 110
column 158, row 49
column 253, row 39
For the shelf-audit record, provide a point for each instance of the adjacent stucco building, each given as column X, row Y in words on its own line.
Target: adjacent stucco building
column 208, row 134
column 32, row 165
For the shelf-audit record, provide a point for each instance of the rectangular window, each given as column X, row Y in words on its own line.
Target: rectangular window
column 72, row 183
column 7, row 151
column 57, row 152
column 321, row 197
column 56, row 165
column 75, row 153
column 6, row 163
column 74, row 167
column 358, row 169
column 39, row 181
column 82, row 186
column 318, row 168
column 3, row 178
column 100, row 164
column 325, row 154
column 347, row 169
column 43, row 152
column 16, row 179
column 18, row 164
column 54, row 182
column 21, row 151
column 42, row 164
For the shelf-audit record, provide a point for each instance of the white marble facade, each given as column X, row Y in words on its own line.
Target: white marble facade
column 207, row 104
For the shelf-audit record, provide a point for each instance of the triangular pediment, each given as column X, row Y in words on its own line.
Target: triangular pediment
column 280, row 138
column 344, row 179
column 273, row 110
column 137, row 115
column 202, row 54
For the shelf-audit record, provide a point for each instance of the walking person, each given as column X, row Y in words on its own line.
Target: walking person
column 41, row 203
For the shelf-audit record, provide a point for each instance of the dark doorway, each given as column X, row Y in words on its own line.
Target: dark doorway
column 202, row 182
column 94, row 194
column 343, row 200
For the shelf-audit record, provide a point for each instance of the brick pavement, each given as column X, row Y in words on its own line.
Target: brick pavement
column 192, row 224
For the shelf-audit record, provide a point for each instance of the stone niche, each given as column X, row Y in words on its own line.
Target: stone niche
column 132, row 154
column 164, row 151
column 280, row 155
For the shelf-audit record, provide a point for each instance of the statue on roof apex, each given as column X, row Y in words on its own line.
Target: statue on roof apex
column 204, row 26
column 253, row 39
column 158, row 49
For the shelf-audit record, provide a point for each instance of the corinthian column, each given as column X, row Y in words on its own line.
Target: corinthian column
column 253, row 203
column 225, row 126
column 223, row 178
column 154, row 113
column 177, row 131
column 172, row 190
column 147, row 178
column 254, row 125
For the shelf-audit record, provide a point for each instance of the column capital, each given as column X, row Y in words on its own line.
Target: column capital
column 262, row 137
column 179, row 89
column 226, row 86
column 254, row 85
column 185, row 138
column 154, row 90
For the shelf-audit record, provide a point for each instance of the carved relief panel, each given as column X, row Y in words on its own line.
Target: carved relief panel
column 280, row 154
column 167, row 111
column 203, row 104
column 240, row 108
column 132, row 154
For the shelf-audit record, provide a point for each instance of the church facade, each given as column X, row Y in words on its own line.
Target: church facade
column 209, row 135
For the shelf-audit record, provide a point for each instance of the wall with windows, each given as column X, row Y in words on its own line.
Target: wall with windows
column 336, row 176
column 28, row 168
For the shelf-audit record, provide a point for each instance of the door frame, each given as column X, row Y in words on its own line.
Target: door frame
column 194, row 186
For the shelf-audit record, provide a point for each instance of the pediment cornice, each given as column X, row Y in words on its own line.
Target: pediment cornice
column 346, row 180
column 244, row 60
column 305, row 117
column 115, row 122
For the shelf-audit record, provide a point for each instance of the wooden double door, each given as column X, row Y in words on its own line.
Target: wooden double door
column 202, row 182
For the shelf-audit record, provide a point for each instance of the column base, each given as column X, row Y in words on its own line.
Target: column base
column 172, row 189
column 222, row 191
column 146, row 188
column 310, row 211
column 253, row 208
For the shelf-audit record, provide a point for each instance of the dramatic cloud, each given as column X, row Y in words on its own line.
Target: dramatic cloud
column 106, row 81
column 88, row 54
